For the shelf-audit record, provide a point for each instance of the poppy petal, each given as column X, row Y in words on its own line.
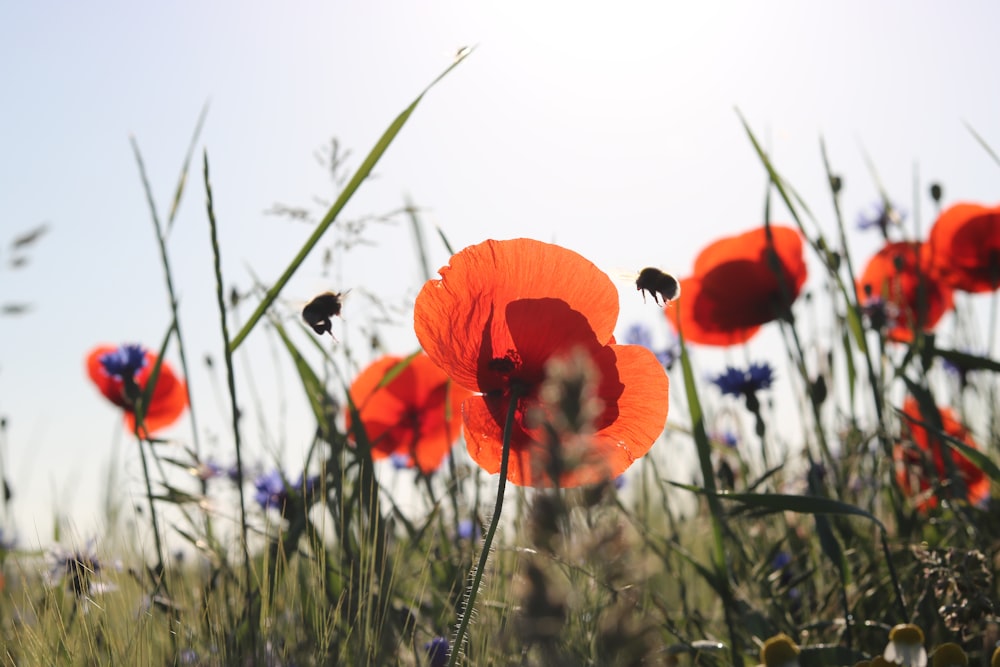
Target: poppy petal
column 896, row 276
column 167, row 403
column 908, row 469
column 407, row 416
column 740, row 283
column 169, row 397
column 963, row 247
column 634, row 390
column 109, row 386
column 455, row 315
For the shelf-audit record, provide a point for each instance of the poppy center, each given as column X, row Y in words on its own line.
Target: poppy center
column 506, row 364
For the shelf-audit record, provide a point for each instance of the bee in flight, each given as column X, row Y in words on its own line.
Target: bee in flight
column 317, row 313
column 659, row 284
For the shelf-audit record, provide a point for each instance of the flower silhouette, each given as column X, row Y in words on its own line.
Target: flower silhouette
column 740, row 283
column 963, row 247
column 526, row 321
column 415, row 417
column 121, row 373
column 898, row 284
column 913, row 464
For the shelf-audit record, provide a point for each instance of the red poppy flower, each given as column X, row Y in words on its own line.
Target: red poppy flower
column 121, row 374
column 963, row 247
column 912, row 464
column 740, row 283
column 417, row 415
column 500, row 316
column 895, row 280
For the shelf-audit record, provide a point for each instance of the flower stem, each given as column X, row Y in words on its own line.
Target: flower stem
column 158, row 582
column 477, row 576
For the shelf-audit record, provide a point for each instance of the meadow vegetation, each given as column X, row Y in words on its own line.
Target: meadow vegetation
column 534, row 444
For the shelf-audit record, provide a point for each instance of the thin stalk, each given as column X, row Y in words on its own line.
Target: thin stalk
column 158, row 581
column 231, row 382
column 168, row 275
column 470, row 602
column 161, row 241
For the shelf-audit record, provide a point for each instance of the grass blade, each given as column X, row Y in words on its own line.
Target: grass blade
column 352, row 186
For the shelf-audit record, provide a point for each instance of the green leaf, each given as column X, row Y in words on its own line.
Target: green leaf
column 319, row 400
column 968, row 362
column 783, row 502
column 352, row 186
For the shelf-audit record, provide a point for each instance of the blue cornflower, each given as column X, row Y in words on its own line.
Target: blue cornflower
column 467, row 530
column 781, row 560
column 745, row 383
column 884, row 216
column 79, row 570
column 401, row 461
column 271, row 490
column 727, row 438
column 124, row 362
column 437, row 652
column 640, row 334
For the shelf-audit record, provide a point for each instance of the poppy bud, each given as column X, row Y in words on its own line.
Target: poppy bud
column 936, row 192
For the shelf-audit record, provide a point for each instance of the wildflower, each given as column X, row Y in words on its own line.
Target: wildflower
column 469, row 530
column 739, row 284
column 910, row 463
column 738, row 382
column 122, row 373
column 885, row 215
column 963, row 247
column 879, row 312
column 437, row 652
column 949, row 654
column 639, row 334
column 726, row 438
column 498, row 318
column 415, row 417
column 906, row 646
column 273, row 491
column 206, row 470
column 896, row 275
column 79, row 569
column 780, row 651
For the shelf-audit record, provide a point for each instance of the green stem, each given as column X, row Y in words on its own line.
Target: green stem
column 234, row 408
column 477, row 578
column 158, row 582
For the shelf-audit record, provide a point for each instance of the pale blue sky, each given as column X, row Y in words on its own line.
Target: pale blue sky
column 608, row 128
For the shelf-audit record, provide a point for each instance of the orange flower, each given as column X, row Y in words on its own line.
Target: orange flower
column 416, row 415
column 121, row 374
column 500, row 316
column 964, row 247
column 735, row 287
column 905, row 291
column 912, row 464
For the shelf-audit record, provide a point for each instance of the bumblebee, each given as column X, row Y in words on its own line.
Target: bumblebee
column 318, row 312
column 659, row 284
